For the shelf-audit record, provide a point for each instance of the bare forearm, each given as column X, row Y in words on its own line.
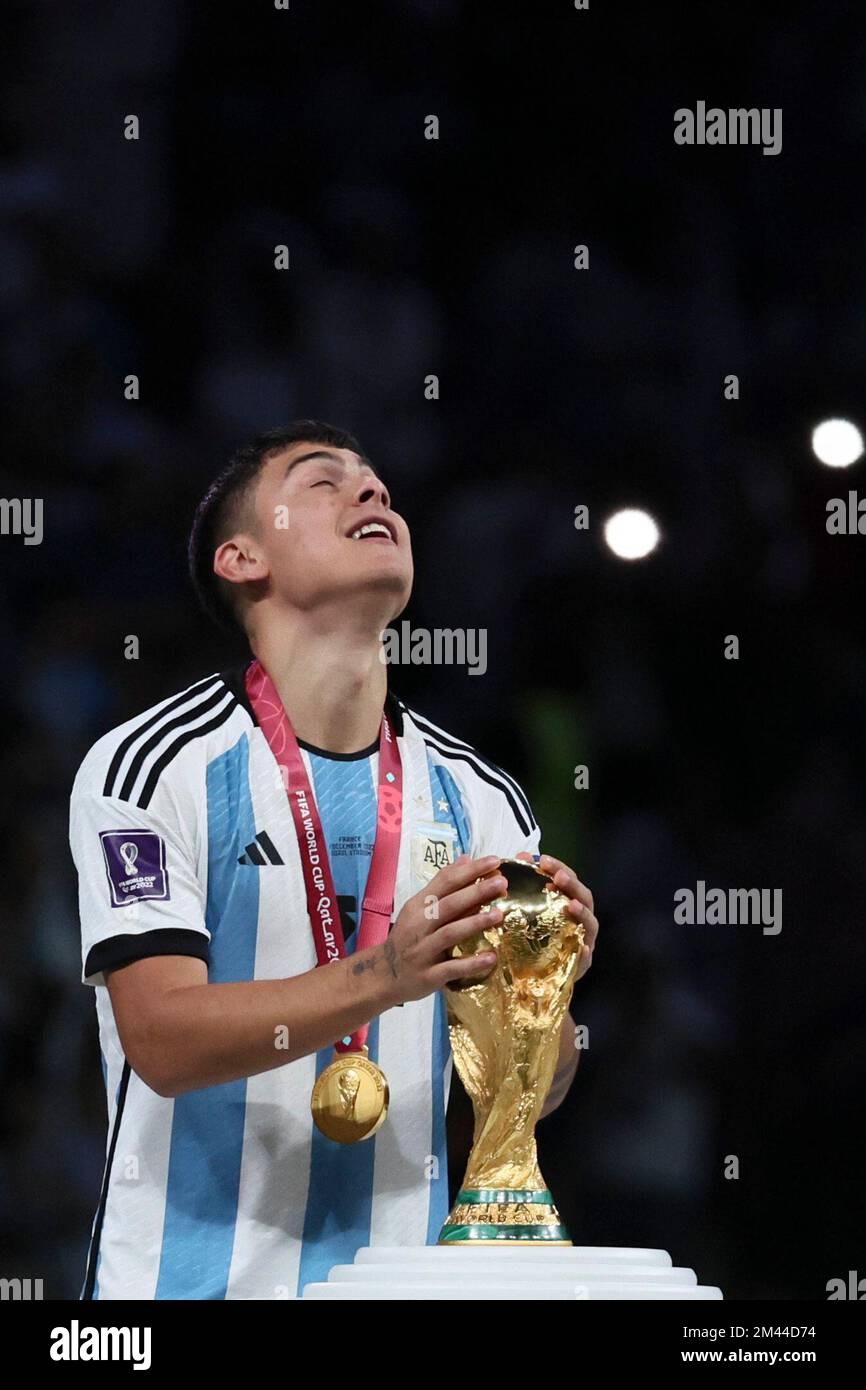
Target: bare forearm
column 207, row 1034
column 182, row 1033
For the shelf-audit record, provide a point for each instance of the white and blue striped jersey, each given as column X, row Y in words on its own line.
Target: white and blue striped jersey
column 184, row 842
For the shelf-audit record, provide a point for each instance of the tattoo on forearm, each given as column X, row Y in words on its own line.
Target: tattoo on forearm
column 391, row 957
column 389, row 953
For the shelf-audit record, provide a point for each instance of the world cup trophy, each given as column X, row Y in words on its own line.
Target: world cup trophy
column 505, row 1033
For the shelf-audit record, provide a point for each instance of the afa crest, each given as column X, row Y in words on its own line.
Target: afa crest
column 433, row 848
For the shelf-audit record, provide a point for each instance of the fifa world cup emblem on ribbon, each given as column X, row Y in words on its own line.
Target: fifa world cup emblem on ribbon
column 505, row 1033
column 129, row 854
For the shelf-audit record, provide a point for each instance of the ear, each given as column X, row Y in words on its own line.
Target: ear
column 240, row 560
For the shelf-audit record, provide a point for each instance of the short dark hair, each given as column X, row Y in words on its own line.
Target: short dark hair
column 218, row 513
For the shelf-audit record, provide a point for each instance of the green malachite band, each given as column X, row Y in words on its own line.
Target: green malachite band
column 472, row 1196
column 484, row 1231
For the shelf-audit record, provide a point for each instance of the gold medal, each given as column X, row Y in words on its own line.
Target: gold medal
column 350, row 1098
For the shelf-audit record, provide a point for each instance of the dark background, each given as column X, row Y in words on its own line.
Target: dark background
column 558, row 388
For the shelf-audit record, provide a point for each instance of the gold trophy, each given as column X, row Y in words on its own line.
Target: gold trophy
column 505, row 1032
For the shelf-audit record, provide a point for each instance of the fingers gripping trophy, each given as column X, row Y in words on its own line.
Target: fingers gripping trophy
column 505, row 1033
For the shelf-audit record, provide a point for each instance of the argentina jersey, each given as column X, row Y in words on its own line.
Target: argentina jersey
column 184, row 844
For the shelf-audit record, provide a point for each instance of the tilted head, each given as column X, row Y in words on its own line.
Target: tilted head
column 299, row 520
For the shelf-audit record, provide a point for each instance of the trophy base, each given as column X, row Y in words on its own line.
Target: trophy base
column 493, row 1216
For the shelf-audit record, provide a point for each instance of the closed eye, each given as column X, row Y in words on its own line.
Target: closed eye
column 324, row 482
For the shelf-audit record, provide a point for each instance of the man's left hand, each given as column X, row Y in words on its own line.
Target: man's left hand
column 580, row 906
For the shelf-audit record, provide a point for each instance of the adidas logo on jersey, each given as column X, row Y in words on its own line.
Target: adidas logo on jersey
column 262, row 851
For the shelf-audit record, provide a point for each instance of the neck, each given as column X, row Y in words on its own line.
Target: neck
column 329, row 677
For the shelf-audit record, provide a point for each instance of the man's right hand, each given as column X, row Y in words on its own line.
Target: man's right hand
column 444, row 914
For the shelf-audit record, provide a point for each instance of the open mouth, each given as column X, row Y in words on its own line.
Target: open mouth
column 373, row 531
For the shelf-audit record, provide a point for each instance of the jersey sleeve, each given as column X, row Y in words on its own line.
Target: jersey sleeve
column 138, row 889
column 504, row 822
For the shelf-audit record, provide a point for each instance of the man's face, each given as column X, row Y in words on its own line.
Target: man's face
column 325, row 527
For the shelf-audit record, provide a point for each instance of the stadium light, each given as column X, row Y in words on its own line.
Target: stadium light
column 837, row 443
column 631, row 533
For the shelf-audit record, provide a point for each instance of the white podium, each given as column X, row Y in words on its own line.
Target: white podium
column 497, row 1272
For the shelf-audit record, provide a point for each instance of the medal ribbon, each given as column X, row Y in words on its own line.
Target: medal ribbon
column 378, row 903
